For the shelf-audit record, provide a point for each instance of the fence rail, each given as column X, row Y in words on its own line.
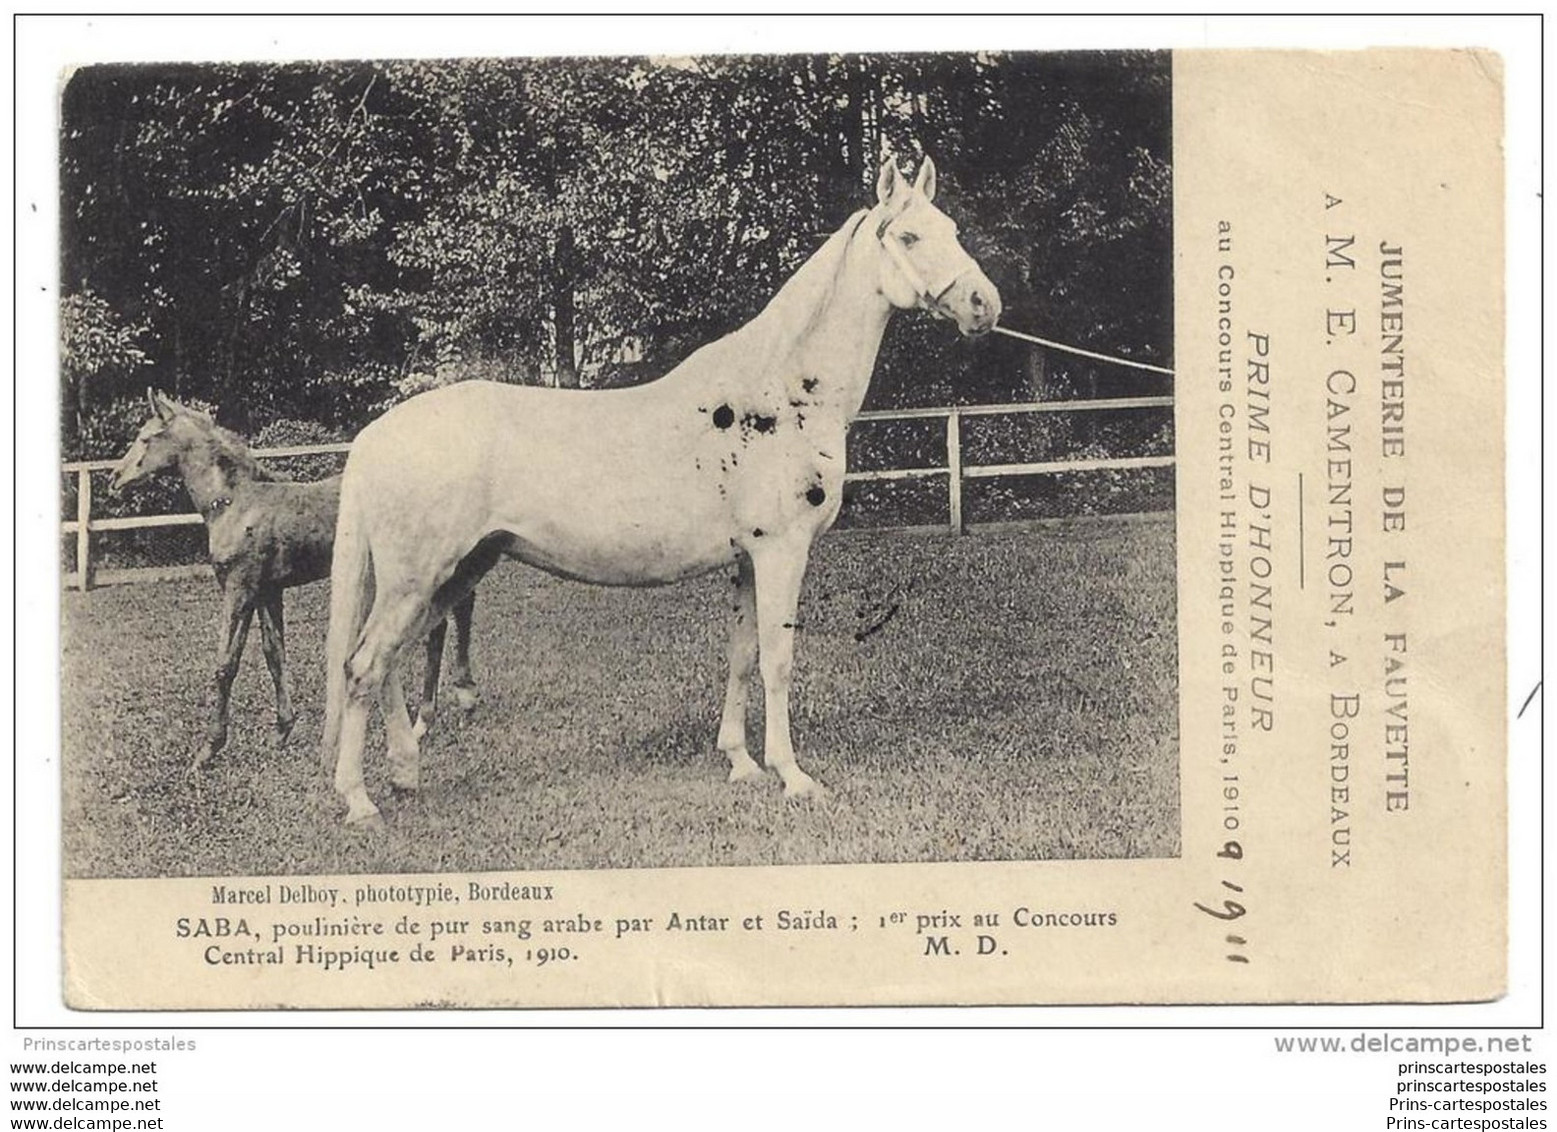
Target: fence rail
column 83, row 526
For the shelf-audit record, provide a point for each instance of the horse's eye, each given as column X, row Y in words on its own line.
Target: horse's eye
column 909, row 239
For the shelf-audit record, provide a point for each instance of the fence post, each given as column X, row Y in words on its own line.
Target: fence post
column 954, row 469
column 84, row 529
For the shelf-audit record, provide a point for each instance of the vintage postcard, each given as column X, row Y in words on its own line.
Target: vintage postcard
column 862, row 529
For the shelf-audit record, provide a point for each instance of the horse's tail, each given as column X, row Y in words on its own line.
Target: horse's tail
column 351, row 584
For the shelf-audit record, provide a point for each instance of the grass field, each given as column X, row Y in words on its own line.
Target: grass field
column 1017, row 701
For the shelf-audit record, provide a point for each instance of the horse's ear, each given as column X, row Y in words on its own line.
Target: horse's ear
column 888, row 181
column 159, row 406
column 925, row 182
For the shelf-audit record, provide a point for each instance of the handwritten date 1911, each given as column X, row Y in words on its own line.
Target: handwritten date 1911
column 1231, row 909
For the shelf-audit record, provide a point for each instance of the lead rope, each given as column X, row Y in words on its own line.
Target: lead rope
column 1083, row 353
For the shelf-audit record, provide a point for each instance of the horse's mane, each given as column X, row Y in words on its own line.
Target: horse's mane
column 790, row 313
column 229, row 453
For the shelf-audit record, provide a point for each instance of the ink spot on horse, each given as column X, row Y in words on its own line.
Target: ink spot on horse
column 757, row 532
column 724, row 416
column 760, row 422
column 809, row 384
column 815, row 495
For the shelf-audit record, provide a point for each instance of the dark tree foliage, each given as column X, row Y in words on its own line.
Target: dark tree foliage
column 311, row 243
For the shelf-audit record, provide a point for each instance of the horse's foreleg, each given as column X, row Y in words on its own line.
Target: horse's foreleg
column 273, row 641
column 779, row 569
column 743, row 661
column 430, row 676
column 233, row 631
column 460, row 680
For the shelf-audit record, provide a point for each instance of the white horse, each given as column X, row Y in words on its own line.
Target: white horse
column 736, row 457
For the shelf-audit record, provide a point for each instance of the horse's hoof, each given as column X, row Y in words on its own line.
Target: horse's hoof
column 367, row 823
column 464, row 698
column 802, row 787
column 409, row 791
column 747, row 771
column 419, row 728
column 284, row 731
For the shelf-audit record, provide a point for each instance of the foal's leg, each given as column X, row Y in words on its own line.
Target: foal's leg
column 233, row 631
column 430, row 676
column 273, row 641
column 464, row 687
column 779, row 568
column 743, row 662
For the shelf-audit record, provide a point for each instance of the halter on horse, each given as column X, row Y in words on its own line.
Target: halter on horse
column 736, row 457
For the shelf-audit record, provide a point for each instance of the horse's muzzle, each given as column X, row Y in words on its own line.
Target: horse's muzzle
column 974, row 302
column 122, row 479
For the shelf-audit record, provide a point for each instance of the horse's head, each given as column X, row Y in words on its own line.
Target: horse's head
column 926, row 266
column 156, row 446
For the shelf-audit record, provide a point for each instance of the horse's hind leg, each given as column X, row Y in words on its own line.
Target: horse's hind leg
column 360, row 809
column 743, row 662
column 405, row 763
column 237, row 612
column 273, row 641
column 779, row 568
column 460, row 680
column 399, row 614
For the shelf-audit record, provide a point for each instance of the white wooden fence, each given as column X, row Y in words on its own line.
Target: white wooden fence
column 83, row 526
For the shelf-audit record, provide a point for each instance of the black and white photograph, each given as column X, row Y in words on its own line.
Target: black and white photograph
column 617, row 462
column 531, row 528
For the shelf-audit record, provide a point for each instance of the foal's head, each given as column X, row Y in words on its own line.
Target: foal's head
column 171, row 431
column 924, row 265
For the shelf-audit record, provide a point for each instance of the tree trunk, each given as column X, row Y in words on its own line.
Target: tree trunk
column 563, row 309
column 74, row 415
column 236, row 398
column 1037, row 376
column 180, row 358
column 859, row 126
